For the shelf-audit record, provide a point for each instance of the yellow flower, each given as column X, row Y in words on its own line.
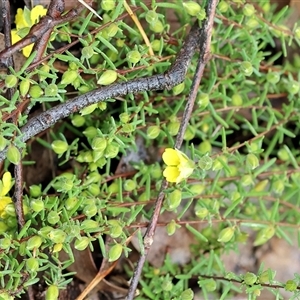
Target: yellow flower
column 5, row 186
column 179, row 166
column 24, row 19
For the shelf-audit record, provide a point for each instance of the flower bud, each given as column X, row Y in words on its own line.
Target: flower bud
column 133, row 56
column 108, row 4
column 205, row 163
column 99, row 144
column 248, row 10
column 3, row 143
column 219, row 163
column 252, row 161
column 52, row 292
column 115, row 252
column 226, row 234
column 44, row 231
column 261, row 185
column 115, row 231
column 208, row 284
column 264, row 235
column 78, row 120
column 35, row 190
column 111, row 151
column 57, row 248
column 88, row 110
column 167, row 285
column 151, row 16
column 236, row 100
column 192, row 8
column 82, row 243
column 203, row 100
column 129, row 185
column 51, row 90
column 278, row 186
column 201, row 212
column 171, row 228
column 187, row 295
column 293, row 87
column 246, row 68
column 57, row 236
column 290, row 286
column 173, row 128
column 3, row 227
column 32, row 264
column 5, row 243
column 69, row 77
column 90, row 210
column 11, row 81
column 34, row 242
column 13, row 154
column 24, row 87
column 53, row 217
column 273, row 77
column 252, row 22
column 88, row 225
column 189, row 133
column 87, row 52
column 59, row 147
column 205, row 147
column 157, row 27
column 250, row 278
column 197, row 189
column 223, row 6
column 102, row 106
column 124, row 117
column 246, row 180
column 35, row 91
column 153, row 132
column 173, row 200
column 10, row 209
column 108, row 77
column 178, row 89
column 156, row 45
column 90, row 132
column 264, row 277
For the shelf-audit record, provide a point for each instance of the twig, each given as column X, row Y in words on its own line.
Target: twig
column 175, row 75
column 8, row 62
column 19, row 194
column 40, row 32
column 204, row 43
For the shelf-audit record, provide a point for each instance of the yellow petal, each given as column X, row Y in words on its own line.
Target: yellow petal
column 6, row 180
column 36, row 13
column 27, row 50
column 14, row 36
column 3, row 202
column 20, row 20
column 170, row 157
column 171, row 174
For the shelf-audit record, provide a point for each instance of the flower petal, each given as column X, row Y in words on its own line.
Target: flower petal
column 170, row 157
column 20, row 20
column 37, row 12
column 182, row 157
column 6, row 180
column 171, row 174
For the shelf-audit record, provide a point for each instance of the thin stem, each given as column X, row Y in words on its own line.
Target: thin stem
column 204, row 43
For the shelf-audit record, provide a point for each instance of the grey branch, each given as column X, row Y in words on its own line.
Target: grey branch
column 175, row 75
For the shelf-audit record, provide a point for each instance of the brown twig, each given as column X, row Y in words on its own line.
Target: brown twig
column 41, row 32
column 204, row 44
column 19, row 194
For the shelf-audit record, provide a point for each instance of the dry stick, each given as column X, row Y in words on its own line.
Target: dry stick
column 204, row 43
column 175, row 75
column 19, row 194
